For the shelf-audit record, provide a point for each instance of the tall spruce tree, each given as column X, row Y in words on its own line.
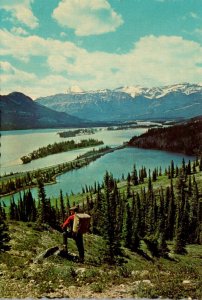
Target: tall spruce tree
column 136, row 223
column 162, row 245
column 62, row 207
column 44, row 209
column 111, row 219
column 170, row 212
column 4, row 235
column 180, row 239
column 134, row 176
column 194, row 214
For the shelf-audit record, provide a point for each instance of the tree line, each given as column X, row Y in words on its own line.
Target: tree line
column 72, row 133
column 128, row 217
column 58, row 148
column 27, row 179
column 188, row 141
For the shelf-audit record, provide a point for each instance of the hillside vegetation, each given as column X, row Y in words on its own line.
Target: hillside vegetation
column 184, row 138
column 149, row 245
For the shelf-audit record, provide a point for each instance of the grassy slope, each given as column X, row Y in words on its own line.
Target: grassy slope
column 56, row 277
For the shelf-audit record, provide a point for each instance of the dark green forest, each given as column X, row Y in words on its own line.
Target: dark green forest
column 72, row 133
column 125, row 216
column 182, row 138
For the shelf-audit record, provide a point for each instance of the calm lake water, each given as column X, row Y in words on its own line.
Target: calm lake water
column 17, row 143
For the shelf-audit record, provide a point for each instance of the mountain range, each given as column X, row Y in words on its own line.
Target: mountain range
column 129, row 103
column 19, row 111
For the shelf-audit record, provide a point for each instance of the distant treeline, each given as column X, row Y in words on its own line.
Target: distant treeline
column 128, row 217
column 59, row 147
column 72, row 133
column 126, row 127
column 183, row 138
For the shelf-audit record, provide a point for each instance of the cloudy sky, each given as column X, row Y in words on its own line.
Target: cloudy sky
column 48, row 46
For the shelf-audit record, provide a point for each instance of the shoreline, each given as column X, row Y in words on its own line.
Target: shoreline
column 68, row 166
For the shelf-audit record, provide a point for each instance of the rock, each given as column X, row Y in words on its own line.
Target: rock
column 146, row 281
column 72, row 287
column 186, row 282
column 80, row 270
column 144, row 273
column 46, row 254
column 134, row 273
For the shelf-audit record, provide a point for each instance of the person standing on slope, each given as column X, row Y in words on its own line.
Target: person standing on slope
column 78, row 237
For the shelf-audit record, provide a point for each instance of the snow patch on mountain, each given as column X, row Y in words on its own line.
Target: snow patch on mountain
column 159, row 92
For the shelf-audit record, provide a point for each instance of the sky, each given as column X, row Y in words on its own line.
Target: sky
column 48, row 46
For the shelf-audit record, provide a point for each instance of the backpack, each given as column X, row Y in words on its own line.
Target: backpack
column 81, row 223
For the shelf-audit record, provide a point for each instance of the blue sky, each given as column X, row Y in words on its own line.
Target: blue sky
column 48, row 46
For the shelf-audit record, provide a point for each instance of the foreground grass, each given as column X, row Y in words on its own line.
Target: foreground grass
column 56, row 277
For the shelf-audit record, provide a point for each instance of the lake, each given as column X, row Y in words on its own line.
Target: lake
column 118, row 162
column 15, row 144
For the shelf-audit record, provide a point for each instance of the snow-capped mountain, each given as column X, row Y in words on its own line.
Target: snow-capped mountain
column 129, row 103
column 158, row 92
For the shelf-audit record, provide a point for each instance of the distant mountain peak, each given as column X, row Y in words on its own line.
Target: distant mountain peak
column 159, row 92
column 75, row 89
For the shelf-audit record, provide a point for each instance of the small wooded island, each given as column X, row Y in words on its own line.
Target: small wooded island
column 59, row 147
column 73, row 133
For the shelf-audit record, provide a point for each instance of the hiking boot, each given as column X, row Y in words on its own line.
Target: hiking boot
column 64, row 248
column 81, row 260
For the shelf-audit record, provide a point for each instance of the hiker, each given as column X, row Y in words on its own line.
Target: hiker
column 78, row 237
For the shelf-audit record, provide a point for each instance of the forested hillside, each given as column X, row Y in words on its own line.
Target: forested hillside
column 183, row 138
column 145, row 238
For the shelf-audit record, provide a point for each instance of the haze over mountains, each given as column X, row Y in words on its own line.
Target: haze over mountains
column 78, row 108
column 129, row 103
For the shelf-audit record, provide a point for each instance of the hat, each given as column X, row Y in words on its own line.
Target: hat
column 75, row 208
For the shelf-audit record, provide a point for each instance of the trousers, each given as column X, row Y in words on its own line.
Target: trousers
column 78, row 237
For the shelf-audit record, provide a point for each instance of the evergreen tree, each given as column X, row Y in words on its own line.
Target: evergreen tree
column 194, row 215
column 136, row 223
column 154, row 175
column 172, row 169
column 128, row 227
column 128, row 186
column 162, row 245
column 181, row 216
column 62, row 207
column 4, row 236
column 200, row 164
column 67, row 206
column 134, row 176
column 44, row 209
column 194, row 168
column 111, row 218
column 170, row 205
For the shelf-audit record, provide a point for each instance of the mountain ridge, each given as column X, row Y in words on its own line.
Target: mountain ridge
column 19, row 111
column 175, row 101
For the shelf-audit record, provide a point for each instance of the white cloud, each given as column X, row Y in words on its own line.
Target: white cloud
column 26, row 47
column 153, row 61
column 87, row 17
column 21, row 10
column 13, row 79
column 19, row 31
